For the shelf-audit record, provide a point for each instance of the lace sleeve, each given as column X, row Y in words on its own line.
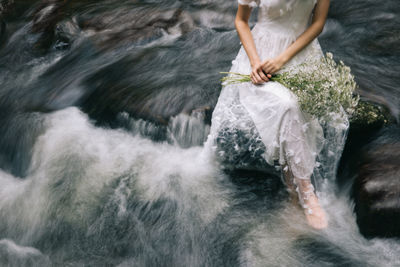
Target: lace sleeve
column 251, row 3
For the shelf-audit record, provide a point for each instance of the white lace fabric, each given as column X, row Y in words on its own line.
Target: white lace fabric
column 289, row 135
column 303, row 187
column 252, row 3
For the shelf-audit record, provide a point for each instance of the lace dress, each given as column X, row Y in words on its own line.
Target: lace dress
column 289, row 135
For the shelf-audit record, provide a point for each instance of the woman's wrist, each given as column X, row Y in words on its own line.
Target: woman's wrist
column 255, row 62
column 282, row 59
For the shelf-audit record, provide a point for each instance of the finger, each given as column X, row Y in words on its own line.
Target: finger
column 267, row 68
column 268, row 75
column 263, row 76
column 252, row 79
column 258, row 78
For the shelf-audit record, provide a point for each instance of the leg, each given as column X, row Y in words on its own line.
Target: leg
column 315, row 215
column 288, row 180
column 298, row 166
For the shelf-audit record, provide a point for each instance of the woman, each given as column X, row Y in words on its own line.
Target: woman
column 284, row 36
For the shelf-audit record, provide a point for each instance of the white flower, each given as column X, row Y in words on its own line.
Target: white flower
column 286, row 168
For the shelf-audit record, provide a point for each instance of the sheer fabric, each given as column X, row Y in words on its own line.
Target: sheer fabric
column 289, row 135
column 252, row 3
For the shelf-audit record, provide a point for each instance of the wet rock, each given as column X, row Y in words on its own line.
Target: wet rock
column 5, row 6
column 138, row 25
column 110, row 88
column 45, row 18
column 241, row 149
column 368, row 119
column 46, row 15
column 2, row 28
column 50, row 20
column 376, row 189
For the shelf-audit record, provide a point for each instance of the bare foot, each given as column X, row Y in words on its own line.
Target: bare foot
column 315, row 215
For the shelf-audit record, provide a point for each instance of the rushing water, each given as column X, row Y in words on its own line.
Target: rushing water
column 102, row 129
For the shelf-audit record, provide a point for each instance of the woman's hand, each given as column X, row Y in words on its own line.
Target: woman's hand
column 272, row 66
column 257, row 74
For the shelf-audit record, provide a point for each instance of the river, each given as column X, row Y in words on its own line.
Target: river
column 101, row 163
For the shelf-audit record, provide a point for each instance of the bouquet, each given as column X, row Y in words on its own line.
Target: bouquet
column 321, row 85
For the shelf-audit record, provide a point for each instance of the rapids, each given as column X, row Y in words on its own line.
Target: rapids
column 105, row 109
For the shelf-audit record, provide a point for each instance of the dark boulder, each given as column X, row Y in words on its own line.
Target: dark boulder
column 367, row 121
column 376, row 189
column 138, row 25
column 44, row 20
column 370, row 164
column 2, row 29
column 5, row 6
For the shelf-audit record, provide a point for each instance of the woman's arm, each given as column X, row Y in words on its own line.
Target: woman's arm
column 316, row 27
column 242, row 26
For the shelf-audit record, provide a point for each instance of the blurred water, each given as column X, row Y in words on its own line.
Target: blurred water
column 102, row 127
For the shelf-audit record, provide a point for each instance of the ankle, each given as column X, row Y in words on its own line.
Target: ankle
column 311, row 200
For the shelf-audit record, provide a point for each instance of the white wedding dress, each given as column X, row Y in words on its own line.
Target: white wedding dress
column 290, row 136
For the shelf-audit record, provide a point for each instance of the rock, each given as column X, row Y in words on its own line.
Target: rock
column 371, row 115
column 367, row 120
column 237, row 150
column 105, row 88
column 376, row 189
column 138, row 25
column 2, row 28
column 45, row 18
column 5, row 6
column 51, row 22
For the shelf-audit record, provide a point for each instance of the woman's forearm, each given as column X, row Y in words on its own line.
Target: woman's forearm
column 302, row 41
column 312, row 32
column 242, row 26
column 246, row 38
